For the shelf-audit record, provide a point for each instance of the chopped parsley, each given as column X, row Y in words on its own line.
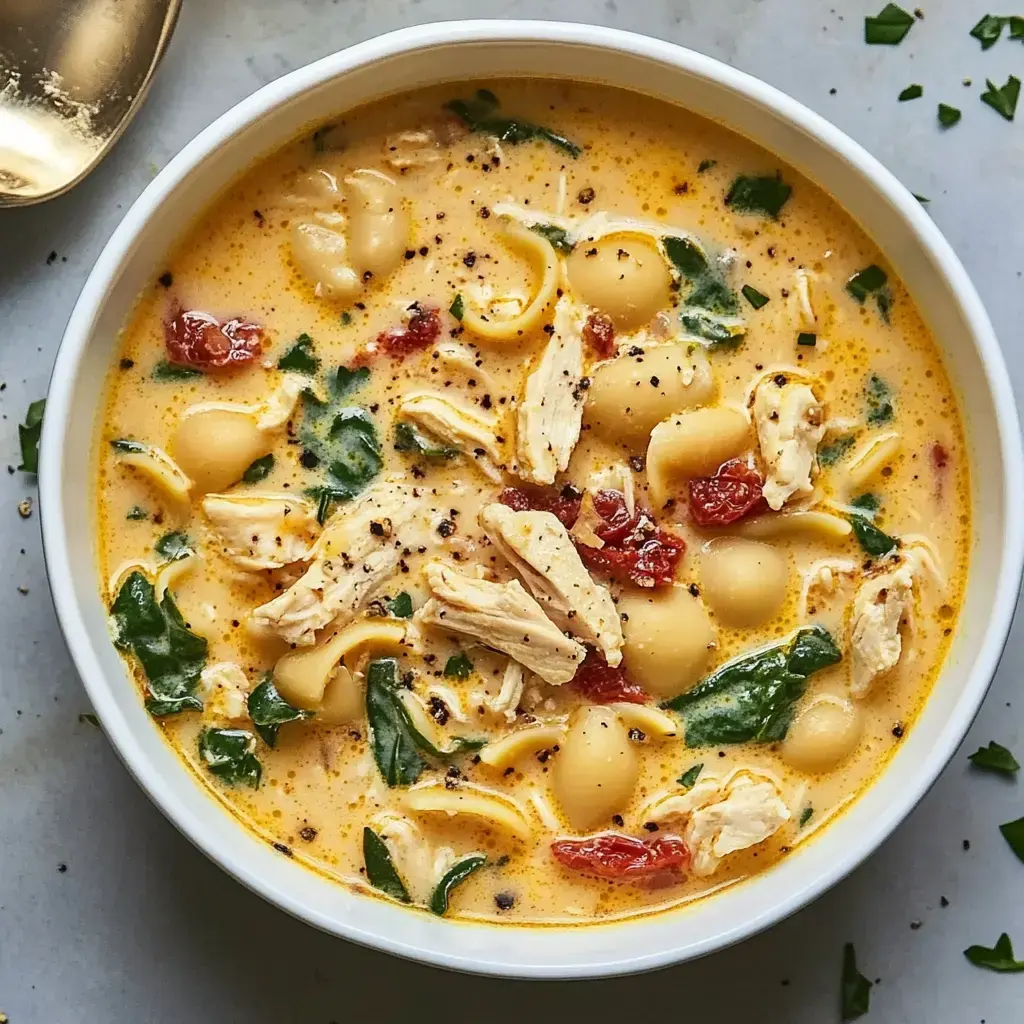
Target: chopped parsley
column 409, row 438
column 759, row 194
column 990, row 28
column 558, row 237
column 1003, row 99
column 873, row 540
column 855, row 991
column 300, row 358
column 912, row 92
column 754, row 297
column 479, row 114
column 948, row 116
column 458, row 307
column 872, row 282
column 994, row 758
column 137, row 513
column 705, row 165
column 879, row 401
column 998, row 958
column 805, row 815
column 174, row 546
column 889, row 27
column 400, row 606
column 458, row 666
column 689, row 777
column 345, row 319
column 258, row 470
column 807, row 339
column 830, row 454
column 1013, row 833
column 28, row 436
column 165, row 371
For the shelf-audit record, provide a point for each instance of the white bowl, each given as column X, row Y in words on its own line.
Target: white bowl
column 435, row 53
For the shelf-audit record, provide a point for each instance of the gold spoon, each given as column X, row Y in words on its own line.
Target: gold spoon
column 72, row 75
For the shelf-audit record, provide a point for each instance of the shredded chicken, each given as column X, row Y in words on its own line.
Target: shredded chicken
column 502, row 616
column 419, row 865
column 224, row 690
column 511, row 693
column 351, row 564
column 551, row 412
column 412, row 149
column 826, row 575
column 262, row 531
column 790, row 425
column 457, row 425
column 539, row 548
column 878, row 608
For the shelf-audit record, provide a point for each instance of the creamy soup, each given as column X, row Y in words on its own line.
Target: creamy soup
column 530, row 502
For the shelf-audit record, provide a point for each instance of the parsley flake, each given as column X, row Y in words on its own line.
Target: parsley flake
column 889, row 27
column 1003, row 100
column 994, row 758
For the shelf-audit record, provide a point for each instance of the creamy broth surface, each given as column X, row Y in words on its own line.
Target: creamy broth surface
column 700, row 338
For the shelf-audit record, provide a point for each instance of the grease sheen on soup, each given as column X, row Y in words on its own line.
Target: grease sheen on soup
column 544, row 508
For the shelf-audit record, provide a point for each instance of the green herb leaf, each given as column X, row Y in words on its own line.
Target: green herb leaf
column 174, row 546
column 888, row 27
column 558, row 237
column 689, row 777
column 346, row 382
column 868, row 503
column 754, row 297
column 165, row 371
column 458, row 307
column 994, row 758
column 137, row 513
column 831, row 453
column 300, row 358
column 1016, row 23
column 28, row 435
column 708, row 290
column 912, row 92
column 805, row 815
column 230, row 755
column 456, row 874
column 873, row 540
column 122, row 444
column 392, row 734
column 999, row 958
column 752, row 698
column 705, row 165
column 269, row 711
column 380, row 869
column 948, row 116
column 1013, row 833
column 458, row 666
column 479, row 115
column 89, row 718
column 1003, row 99
column 855, row 992
column 411, row 439
column 807, row 339
column 923, row 200
column 764, row 194
column 171, row 656
column 258, row 470
column 988, row 30
column 345, row 319
column 879, row 401
column 871, row 282
column 718, row 332
column 400, row 606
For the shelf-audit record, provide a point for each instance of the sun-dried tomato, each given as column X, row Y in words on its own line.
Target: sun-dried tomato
column 601, row 684
column 599, row 335
column 200, row 340
column 940, row 455
column 563, row 503
column 635, row 547
column 422, row 330
column 616, row 856
column 733, row 492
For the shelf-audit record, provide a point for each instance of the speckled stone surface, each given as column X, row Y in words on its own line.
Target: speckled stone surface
column 108, row 916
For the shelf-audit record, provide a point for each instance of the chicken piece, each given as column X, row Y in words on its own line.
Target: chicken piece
column 539, row 548
column 511, row 693
column 357, row 553
column 412, row 149
column 262, row 531
column 457, row 425
column 224, row 689
column 551, row 412
column 744, row 809
column 878, row 608
column 502, row 616
column 790, row 425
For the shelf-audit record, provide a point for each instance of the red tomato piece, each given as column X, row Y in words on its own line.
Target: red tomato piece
column 200, row 340
column 602, row 684
column 564, row 504
column 616, row 856
column 422, row 330
column 940, row 456
column 599, row 335
column 733, row 492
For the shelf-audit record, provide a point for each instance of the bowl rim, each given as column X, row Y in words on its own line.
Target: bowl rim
column 79, row 336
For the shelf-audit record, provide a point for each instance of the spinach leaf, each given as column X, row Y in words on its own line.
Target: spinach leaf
column 458, row 666
column 718, row 332
column 479, row 115
column 754, row 297
column 400, row 606
column 346, row 381
column 689, row 777
column 807, row 339
column 410, row 439
column 868, row 503
column 171, row 656
column 456, row 874
column 888, row 27
column 855, row 993
column 269, row 711
column 912, row 92
column 1003, row 99
column 988, row 30
column 380, row 869
column 326, row 498
column 759, row 194
column 1013, row 833
column 705, row 165
column 708, row 289
column 752, row 698
column 805, row 815
column 873, row 540
column 258, row 470
column 994, row 758
column 300, row 358
column 458, row 307
column 137, row 513
column 392, row 734
column 830, row 454
column 230, row 755
column 948, row 116
column 872, row 282
column 165, row 371
column 558, row 237
column 999, row 958
column 28, row 436
column 879, row 400
column 174, row 546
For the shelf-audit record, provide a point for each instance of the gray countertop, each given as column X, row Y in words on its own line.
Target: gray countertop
column 108, row 915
